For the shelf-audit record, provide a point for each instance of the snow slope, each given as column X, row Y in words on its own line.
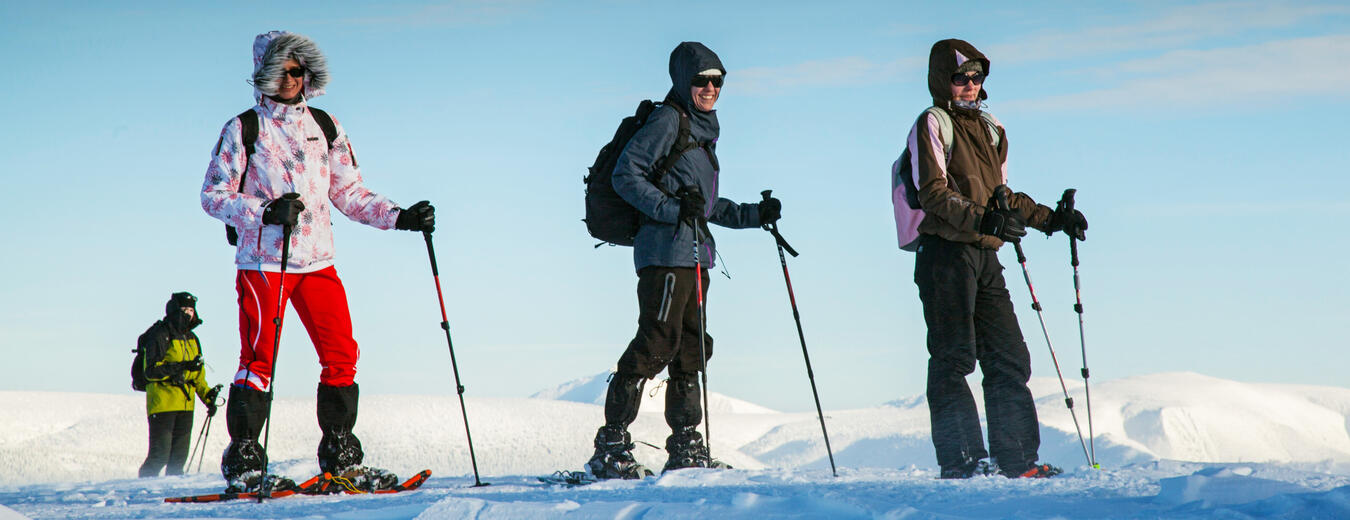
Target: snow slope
column 1172, row 445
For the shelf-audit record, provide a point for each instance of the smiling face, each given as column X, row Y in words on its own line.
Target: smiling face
column 290, row 87
column 705, row 96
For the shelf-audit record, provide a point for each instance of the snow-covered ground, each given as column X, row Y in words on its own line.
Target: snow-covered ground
column 1178, row 445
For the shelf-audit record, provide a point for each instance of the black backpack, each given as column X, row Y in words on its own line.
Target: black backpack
column 144, row 344
column 138, row 369
column 608, row 216
column 248, row 128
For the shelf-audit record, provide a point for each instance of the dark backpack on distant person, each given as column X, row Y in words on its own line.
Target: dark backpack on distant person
column 248, row 129
column 608, row 216
column 138, row 381
column 144, row 346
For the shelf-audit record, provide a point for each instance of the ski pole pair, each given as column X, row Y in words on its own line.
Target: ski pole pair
column 205, row 434
column 1066, row 204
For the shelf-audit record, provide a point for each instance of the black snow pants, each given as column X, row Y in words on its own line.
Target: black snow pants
column 667, row 336
column 170, row 439
column 668, row 323
column 970, row 318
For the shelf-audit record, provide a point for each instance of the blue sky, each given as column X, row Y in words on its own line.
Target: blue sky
column 1206, row 141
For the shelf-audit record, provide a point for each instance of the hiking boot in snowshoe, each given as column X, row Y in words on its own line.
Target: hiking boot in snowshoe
column 970, row 469
column 251, row 482
column 613, row 456
column 361, row 479
column 687, row 450
column 1035, row 471
column 339, row 449
column 244, row 417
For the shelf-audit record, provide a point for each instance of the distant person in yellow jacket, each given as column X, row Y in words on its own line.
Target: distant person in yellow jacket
column 173, row 374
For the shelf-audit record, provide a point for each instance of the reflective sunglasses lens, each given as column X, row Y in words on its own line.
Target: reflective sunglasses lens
column 296, row 72
column 962, row 80
column 703, row 81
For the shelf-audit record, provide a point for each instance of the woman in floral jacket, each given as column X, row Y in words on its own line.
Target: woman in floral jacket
column 295, row 173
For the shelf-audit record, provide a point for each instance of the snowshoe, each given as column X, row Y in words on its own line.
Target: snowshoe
column 1036, row 471
column 687, row 450
column 251, row 482
column 358, row 479
column 569, row 478
column 613, row 456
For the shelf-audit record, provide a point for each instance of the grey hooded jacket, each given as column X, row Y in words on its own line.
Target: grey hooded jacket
column 660, row 241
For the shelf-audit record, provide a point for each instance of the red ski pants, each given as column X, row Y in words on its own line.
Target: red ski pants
column 320, row 301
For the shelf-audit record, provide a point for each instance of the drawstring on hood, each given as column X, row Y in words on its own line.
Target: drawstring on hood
column 270, row 52
column 945, row 59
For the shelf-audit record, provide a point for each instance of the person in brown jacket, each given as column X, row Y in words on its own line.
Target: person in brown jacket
column 966, row 304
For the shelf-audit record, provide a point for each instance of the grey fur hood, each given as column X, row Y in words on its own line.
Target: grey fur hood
column 270, row 52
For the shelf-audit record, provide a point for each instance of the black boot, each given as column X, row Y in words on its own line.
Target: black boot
column 684, row 412
column 613, row 456
column 686, row 449
column 340, row 452
column 243, row 461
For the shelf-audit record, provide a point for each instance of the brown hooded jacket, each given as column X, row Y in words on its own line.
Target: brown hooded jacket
column 956, row 185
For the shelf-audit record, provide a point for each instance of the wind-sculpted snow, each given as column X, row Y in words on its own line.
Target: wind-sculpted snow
column 1171, row 445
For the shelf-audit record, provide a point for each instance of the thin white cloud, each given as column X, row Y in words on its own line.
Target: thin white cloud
column 1267, row 72
column 850, row 70
column 1180, row 26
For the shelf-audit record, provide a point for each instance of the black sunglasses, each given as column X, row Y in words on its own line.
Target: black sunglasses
column 962, row 80
column 701, row 81
column 298, row 72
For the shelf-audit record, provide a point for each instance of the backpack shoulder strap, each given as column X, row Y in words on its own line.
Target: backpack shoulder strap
column 993, row 127
column 944, row 124
column 325, row 122
column 248, row 130
column 684, row 142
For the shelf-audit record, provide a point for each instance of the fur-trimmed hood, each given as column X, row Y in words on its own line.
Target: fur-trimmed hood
column 270, row 52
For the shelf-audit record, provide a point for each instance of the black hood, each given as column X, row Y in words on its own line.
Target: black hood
column 943, row 60
column 686, row 61
column 174, row 315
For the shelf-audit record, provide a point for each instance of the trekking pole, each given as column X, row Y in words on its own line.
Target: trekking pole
column 782, row 244
column 206, row 425
column 1001, row 194
column 266, row 489
column 206, row 432
column 702, row 335
column 1066, row 202
column 454, row 365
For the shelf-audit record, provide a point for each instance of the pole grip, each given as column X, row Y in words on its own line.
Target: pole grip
column 773, row 228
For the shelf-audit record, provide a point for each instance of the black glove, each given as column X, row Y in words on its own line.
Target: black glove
column 1072, row 222
column 419, row 217
column 770, row 210
column 1007, row 225
column 188, row 366
column 284, row 211
column 692, row 203
column 210, row 400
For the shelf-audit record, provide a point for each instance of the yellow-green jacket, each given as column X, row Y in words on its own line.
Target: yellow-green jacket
column 170, row 387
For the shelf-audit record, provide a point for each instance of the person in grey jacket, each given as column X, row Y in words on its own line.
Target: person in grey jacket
column 675, row 210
